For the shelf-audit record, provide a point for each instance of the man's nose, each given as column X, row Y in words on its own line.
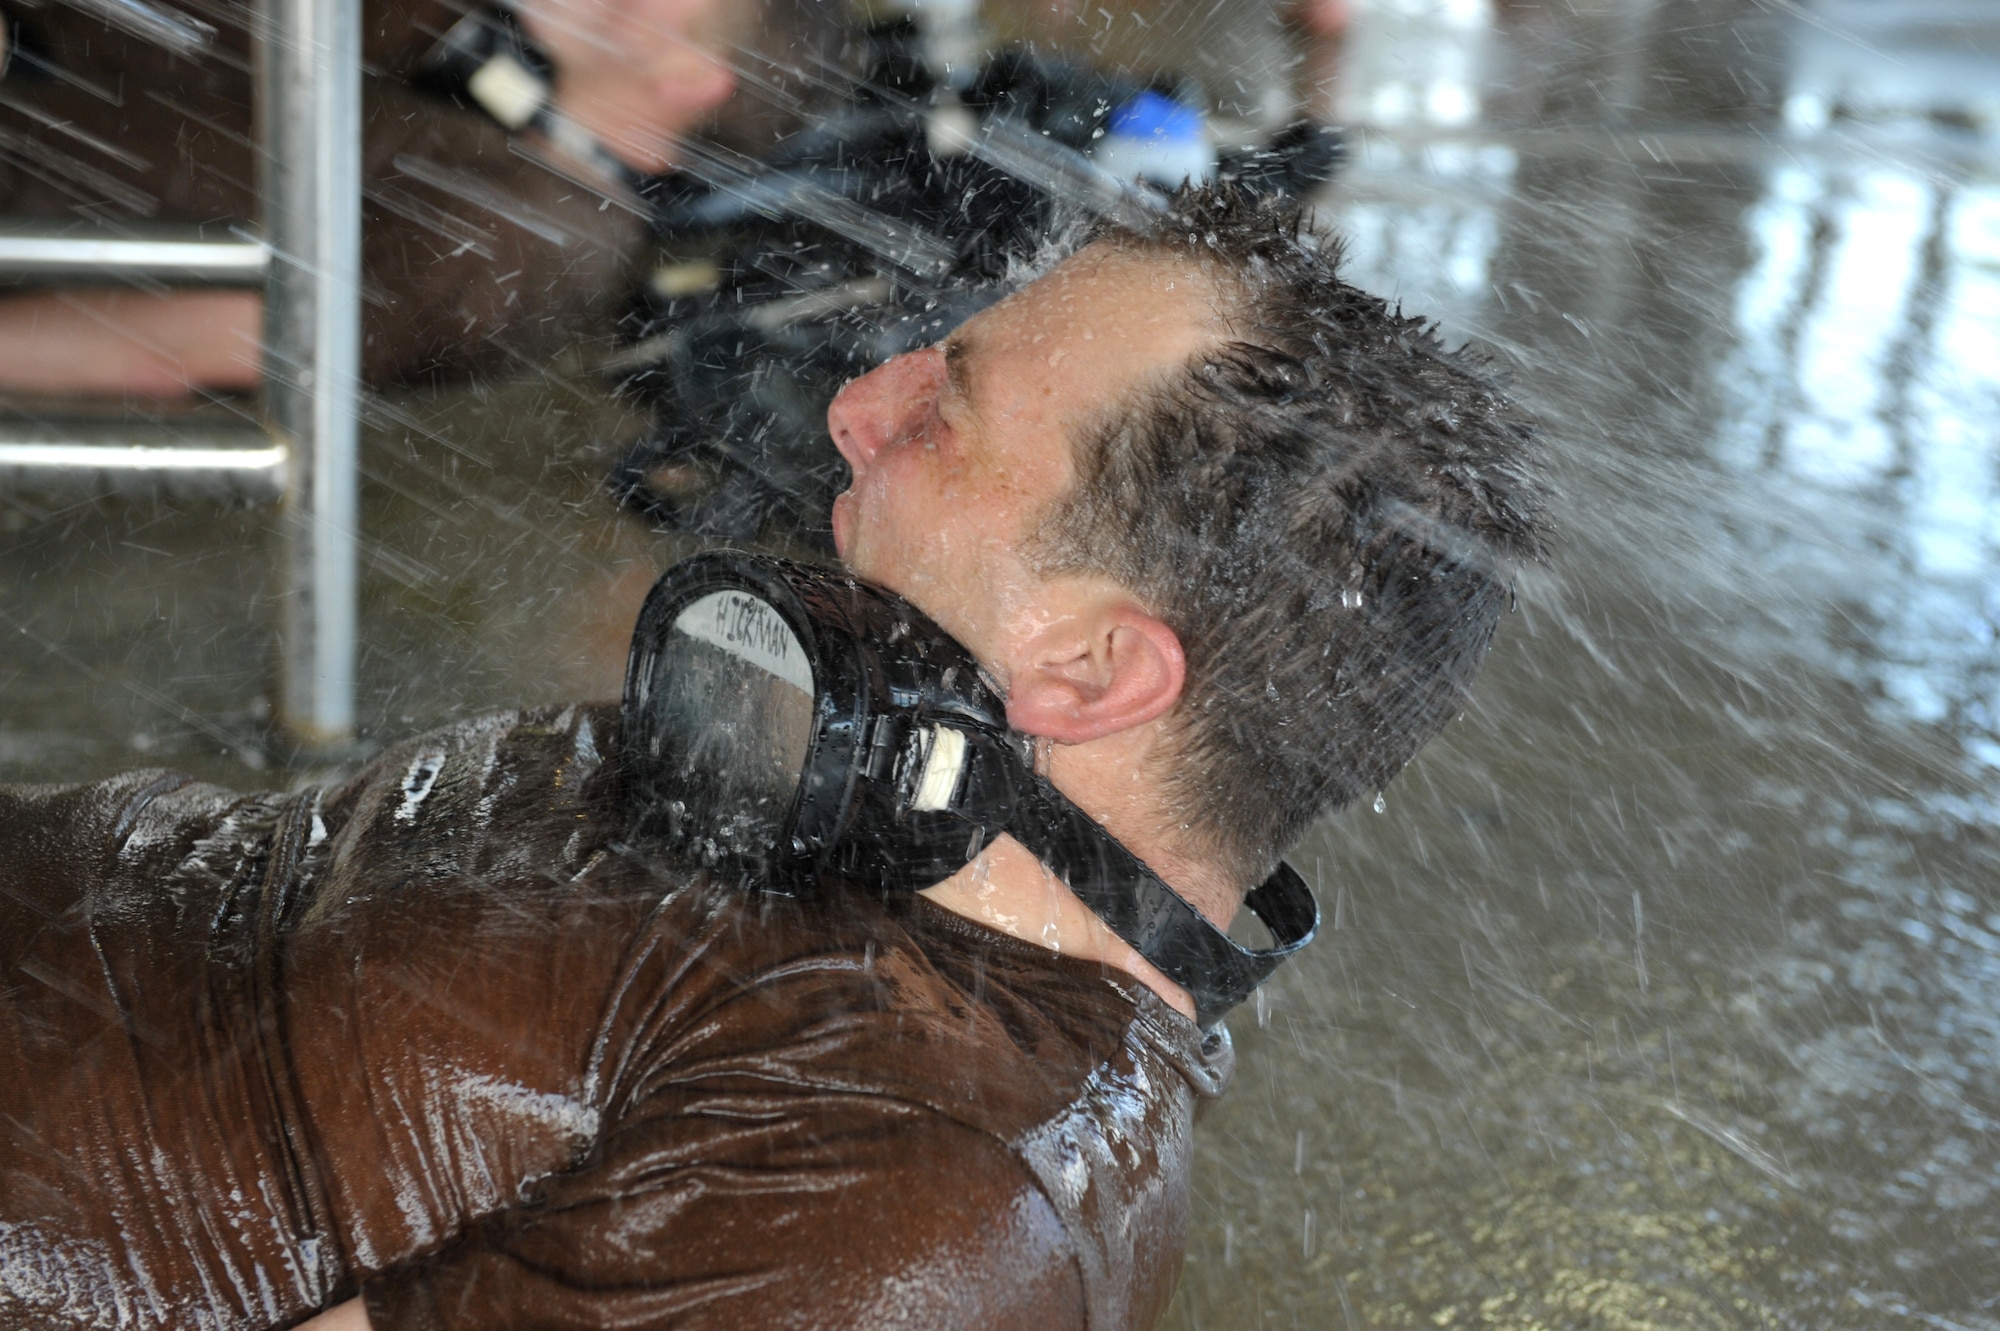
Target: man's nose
column 890, row 402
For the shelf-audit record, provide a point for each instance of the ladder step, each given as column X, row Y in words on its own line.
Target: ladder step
column 171, row 255
column 233, row 461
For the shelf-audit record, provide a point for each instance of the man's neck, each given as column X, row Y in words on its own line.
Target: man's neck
column 1115, row 778
column 1008, row 889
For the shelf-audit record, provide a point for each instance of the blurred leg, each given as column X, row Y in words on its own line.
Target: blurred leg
column 1322, row 28
column 112, row 342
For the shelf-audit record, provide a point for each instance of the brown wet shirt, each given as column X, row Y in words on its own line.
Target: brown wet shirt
column 438, row 1038
column 475, row 257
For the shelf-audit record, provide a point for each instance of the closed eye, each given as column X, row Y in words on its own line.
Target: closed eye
column 958, row 368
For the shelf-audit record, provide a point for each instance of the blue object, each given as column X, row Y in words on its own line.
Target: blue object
column 1156, row 116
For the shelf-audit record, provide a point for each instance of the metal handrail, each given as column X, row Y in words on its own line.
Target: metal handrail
column 237, row 461
column 176, row 256
column 309, row 133
column 305, row 451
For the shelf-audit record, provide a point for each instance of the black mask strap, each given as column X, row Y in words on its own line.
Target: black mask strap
column 1000, row 793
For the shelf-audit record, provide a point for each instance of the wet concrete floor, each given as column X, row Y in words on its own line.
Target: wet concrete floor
column 1665, row 990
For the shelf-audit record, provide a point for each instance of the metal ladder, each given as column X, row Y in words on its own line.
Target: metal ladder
column 303, row 451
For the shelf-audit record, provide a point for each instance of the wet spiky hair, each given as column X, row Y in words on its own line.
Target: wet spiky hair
column 1326, row 504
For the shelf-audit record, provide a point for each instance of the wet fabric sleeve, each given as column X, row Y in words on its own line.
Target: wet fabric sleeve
column 143, row 1149
column 742, row 1214
column 57, row 843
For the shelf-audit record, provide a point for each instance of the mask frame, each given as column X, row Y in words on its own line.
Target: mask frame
column 909, row 767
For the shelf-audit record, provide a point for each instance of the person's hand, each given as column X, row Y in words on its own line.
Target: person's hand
column 1323, row 18
column 349, row 1316
column 638, row 74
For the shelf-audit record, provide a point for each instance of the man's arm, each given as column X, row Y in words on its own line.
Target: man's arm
column 725, row 1211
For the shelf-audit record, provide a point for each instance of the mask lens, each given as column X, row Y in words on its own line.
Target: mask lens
column 733, row 698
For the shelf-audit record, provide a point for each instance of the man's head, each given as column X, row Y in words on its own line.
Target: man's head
column 1191, row 484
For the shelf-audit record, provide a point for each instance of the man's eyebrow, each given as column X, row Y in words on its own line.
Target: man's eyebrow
column 958, row 366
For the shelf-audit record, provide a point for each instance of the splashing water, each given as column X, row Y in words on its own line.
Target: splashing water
column 1667, row 994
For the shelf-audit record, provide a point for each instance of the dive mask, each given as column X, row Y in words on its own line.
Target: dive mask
column 782, row 722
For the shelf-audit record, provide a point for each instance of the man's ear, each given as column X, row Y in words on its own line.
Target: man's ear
column 1096, row 674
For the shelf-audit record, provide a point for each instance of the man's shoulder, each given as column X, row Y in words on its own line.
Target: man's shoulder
column 921, row 1002
column 553, row 737
column 141, row 838
column 838, row 1101
column 503, row 794
column 1049, row 1088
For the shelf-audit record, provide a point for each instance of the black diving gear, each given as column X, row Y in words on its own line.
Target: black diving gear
column 784, row 722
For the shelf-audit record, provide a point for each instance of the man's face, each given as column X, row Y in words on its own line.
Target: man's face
column 958, row 449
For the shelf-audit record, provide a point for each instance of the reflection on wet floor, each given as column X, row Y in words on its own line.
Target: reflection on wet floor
column 1666, row 991
column 1867, row 364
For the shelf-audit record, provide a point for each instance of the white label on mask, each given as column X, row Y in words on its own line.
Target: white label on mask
column 748, row 629
column 942, row 766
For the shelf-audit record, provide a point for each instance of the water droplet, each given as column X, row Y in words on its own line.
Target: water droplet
column 1381, row 805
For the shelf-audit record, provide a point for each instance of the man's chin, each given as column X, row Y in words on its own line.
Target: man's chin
column 840, row 520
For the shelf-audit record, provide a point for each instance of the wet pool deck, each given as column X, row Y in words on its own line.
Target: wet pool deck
column 1666, row 991
column 495, row 572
